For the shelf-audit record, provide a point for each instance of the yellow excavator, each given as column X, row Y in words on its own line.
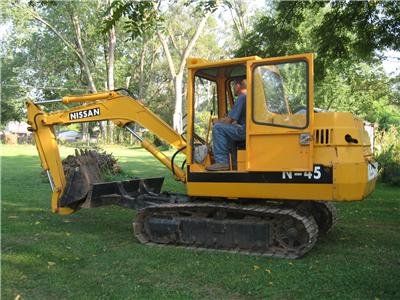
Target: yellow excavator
column 276, row 198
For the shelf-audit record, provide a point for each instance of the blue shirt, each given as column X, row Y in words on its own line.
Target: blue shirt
column 238, row 111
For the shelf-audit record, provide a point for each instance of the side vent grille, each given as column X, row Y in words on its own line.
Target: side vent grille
column 322, row 136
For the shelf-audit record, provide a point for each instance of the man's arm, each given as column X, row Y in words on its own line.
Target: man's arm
column 235, row 112
column 227, row 120
column 238, row 108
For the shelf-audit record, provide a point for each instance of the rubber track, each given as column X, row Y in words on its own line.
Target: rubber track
column 308, row 221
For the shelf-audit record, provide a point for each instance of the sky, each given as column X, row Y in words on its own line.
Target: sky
column 392, row 63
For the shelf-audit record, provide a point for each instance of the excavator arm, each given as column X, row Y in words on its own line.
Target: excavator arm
column 117, row 107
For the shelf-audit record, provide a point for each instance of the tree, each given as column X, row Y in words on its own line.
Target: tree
column 143, row 19
column 363, row 89
column 345, row 37
column 345, row 31
column 177, row 69
column 238, row 10
column 109, row 55
column 25, row 69
column 75, row 45
column 62, row 49
column 76, row 27
column 12, row 93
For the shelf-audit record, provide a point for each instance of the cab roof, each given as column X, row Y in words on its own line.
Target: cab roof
column 232, row 68
column 200, row 63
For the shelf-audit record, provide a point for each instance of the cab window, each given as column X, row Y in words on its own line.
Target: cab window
column 205, row 104
column 280, row 94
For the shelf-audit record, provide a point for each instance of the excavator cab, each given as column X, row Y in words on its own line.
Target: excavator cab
column 279, row 119
column 292, row 151
column 212, row 98
column 279, row 102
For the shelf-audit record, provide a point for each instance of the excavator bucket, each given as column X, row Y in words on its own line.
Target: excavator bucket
column 87, row 188
column 81, row 171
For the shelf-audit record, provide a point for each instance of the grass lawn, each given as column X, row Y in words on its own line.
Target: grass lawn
column 93, row 254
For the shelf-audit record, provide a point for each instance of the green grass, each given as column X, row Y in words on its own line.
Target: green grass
column 93, row 254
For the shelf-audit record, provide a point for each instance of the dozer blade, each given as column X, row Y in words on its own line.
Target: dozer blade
column 86, row 188
column 136, row 193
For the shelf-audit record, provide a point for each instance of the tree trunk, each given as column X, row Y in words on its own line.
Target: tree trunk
column 177, row 77
column 238, row 13
column 177, row 118
column 112, row 42
column 141, row 70
column 85, row 62
column 81, row 50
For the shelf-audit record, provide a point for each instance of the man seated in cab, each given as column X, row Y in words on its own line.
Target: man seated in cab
column 230, row 129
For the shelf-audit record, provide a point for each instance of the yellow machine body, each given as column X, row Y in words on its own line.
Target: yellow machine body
column 350, row 170
column 292, row 150
column 280, row 161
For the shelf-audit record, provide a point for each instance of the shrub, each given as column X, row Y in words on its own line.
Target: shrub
column 388, row 155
